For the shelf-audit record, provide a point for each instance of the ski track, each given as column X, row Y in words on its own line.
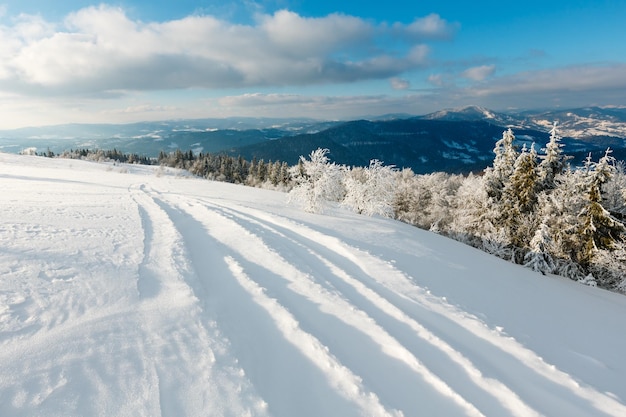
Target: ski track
column 381, row 273
column 214, row 308
column 375, row 291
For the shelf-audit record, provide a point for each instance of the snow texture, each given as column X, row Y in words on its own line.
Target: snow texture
column 134, row 291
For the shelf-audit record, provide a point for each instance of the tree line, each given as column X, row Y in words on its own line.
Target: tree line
column 529, row 208
column 534, row 210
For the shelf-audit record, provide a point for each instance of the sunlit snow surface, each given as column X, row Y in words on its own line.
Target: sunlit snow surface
column 133, row 291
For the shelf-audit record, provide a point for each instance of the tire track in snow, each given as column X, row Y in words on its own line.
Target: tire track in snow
column 253, row 251
column 549, row 379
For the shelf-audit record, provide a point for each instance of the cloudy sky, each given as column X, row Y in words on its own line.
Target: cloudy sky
column 132, row 60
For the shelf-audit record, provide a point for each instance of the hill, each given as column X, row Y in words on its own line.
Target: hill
column 133, row 290
column 453, row 140
column 425, row 146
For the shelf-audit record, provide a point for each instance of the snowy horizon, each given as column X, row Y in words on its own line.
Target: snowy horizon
column 139, row 290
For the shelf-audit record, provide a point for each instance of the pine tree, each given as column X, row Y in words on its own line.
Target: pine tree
column 598, row 228
column 554, row 162
column 539, row 258
column 519, row 198
column 496, row 176
column 522, row 186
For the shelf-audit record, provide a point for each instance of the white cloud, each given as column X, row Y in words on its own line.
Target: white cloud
column 400, row 84
column 573, row 86
column 100, row 49
column 479, row 73
column 261, row 99
column 143, row 109
column 428, row 27
column 324, row 107
column 304, row 37
column 576, row 79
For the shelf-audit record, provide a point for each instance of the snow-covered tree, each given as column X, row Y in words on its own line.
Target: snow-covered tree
column 519, row 198
column 498, row 174
column 539, row 258
column 371, row 190
column 472, row 213
column 409, row 197
column 316, row 181
column 614, row 191
column 554, row 162
column 426, row 200
column 522, row 185
column 598, row 228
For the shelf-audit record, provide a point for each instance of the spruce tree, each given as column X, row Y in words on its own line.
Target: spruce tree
column 496, row 176
column 519, row 198
column 539, row 258
column 598, row 228
column 554, row 162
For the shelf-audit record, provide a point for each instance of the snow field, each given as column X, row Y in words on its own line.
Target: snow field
column 133, row 291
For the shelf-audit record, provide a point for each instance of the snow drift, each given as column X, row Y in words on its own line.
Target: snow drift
column 133, row 291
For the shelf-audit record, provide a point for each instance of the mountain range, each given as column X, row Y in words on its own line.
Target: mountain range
column 453, row 140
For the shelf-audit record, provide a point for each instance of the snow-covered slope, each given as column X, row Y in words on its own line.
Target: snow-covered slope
column 129, row 291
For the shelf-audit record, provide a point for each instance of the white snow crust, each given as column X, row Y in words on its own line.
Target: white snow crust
column 137, row 291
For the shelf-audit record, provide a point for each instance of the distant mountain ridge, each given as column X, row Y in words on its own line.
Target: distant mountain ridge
column 579, row 123
column 453, row 140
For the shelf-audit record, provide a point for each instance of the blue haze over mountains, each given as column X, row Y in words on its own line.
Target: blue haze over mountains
column 454, row 140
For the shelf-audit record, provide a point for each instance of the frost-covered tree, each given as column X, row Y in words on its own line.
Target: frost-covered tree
column 471, row 212
column 609, row 267
column 497, row 176
column 559, row 211
column 426, row 200
column 614, row 191
column 538, row 258
column 554, row 162
column 519, row 198
column 371, row 190
column 316, row 181
column 598, row 228
column 409, row 198
column 521, row 189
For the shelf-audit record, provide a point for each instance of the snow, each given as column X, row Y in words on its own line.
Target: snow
column 137, row 291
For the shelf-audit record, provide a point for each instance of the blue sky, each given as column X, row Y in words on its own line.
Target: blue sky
column 124, row 61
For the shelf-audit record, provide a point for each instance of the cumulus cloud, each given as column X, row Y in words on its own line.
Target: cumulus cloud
column 100, row 49
column 428, row 27
column 479, row 73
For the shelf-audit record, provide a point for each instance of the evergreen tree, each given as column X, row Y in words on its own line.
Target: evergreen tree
column 539, row 258
column 521, row 190
column 519, row 196
column 554, row 162
column 598, row 228
column 497, row 176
